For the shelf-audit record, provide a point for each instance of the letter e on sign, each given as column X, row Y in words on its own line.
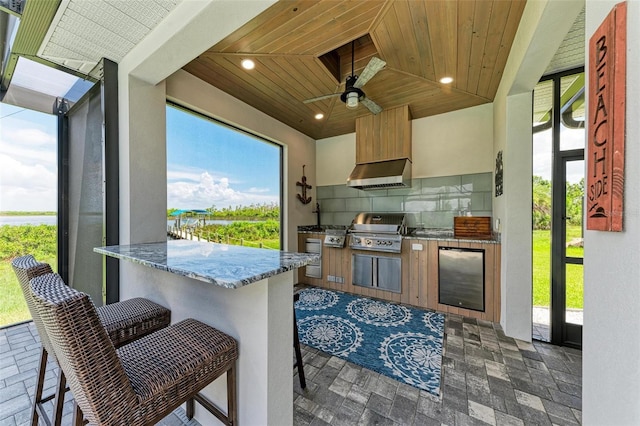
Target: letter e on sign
column 606, row 122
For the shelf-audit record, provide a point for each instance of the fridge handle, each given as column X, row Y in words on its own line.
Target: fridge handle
column 374, row 272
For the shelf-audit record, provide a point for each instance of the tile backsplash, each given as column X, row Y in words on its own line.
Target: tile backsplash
column 429, row 203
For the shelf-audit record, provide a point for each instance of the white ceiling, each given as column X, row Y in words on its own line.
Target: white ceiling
column 570, row 54
column 84, row 31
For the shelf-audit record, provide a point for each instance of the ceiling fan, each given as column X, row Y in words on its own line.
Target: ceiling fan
column 353, row 92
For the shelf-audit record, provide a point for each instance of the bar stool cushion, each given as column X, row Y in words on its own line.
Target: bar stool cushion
column 130, row 319
column 177, row 361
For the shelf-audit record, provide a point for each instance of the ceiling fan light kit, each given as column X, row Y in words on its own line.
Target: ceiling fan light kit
column 353, row 95
column 352, row 100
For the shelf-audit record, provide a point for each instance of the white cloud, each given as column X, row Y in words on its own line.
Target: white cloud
column 208, row 191
column 30, row 146
column 187, row 173
column 257, row 190
column 26, row 187
column 29, row 136
column 28, row 162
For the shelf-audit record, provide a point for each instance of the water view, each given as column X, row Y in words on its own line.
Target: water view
column 29, row 220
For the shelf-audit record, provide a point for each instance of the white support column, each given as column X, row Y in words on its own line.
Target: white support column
column 516, row 274
column 143, row 161
column 611, row 333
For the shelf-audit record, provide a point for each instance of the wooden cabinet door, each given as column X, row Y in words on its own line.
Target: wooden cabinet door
column 418, row 265
column 337, row 264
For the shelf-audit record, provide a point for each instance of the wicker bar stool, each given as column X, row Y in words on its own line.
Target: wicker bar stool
column 124, row 321
column 139, row 383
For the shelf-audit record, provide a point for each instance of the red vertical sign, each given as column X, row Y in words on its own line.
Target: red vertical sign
column 605, row 147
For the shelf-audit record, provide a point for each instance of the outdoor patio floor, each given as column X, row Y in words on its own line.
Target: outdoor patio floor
column 488, row 378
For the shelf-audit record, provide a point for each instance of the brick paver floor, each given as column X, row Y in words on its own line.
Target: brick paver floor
column 487, row 378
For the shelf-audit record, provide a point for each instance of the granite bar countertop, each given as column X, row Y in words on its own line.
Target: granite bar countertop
column 220, row 264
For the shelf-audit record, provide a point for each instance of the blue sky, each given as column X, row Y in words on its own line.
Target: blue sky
column 208, row 165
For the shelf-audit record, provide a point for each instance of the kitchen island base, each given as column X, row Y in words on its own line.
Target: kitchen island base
column 258, row 316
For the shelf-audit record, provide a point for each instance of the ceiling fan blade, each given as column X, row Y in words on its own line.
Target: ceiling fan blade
column 372, row 106
column 372, row 68
column 319, row 98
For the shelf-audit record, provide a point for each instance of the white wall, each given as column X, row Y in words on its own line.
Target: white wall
column 611, row 334
column 441, row 146
column 189, row 91
column 335, row 158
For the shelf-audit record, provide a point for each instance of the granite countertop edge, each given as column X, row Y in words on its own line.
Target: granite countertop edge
column 413, row 235
column 302, row 259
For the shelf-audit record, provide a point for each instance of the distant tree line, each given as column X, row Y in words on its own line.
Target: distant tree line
column 250, row 212
column 542, row 203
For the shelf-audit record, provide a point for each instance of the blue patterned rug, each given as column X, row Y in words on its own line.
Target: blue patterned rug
column 398, row 341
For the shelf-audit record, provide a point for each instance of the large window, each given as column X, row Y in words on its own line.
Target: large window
column 223, row 184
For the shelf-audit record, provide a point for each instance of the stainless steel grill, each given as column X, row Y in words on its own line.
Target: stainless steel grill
column 377, row 232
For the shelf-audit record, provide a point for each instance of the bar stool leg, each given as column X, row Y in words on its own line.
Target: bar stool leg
column 191, row 408
column 232, row 405
column 296, row 345
column 77, row 415
column 42, row 367
column 59, row 403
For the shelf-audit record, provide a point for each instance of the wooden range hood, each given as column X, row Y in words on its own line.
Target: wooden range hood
column 383, row 150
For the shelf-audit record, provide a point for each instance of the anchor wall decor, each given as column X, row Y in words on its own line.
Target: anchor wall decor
column 303, row 198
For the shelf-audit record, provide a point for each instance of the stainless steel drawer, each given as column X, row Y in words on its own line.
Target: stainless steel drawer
column 313, row 271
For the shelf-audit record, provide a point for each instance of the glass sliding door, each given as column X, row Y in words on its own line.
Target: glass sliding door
column 542, row 185
column 558, row 191
column 568, row 277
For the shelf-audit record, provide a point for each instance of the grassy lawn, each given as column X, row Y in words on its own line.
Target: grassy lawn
column 13, row 308
column 542, row 269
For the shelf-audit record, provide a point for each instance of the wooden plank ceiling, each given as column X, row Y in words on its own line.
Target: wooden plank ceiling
column 301, row 47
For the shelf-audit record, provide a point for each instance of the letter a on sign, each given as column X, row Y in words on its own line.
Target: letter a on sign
column 605, row 147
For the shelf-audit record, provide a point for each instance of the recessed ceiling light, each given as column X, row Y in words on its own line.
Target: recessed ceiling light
column 319, row 116
column 446, row 80
column 248, row 64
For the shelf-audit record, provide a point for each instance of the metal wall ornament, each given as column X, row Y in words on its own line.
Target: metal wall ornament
column 303, row 197
column 498, row 174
